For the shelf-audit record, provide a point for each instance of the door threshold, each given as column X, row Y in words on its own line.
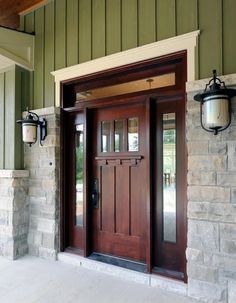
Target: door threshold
column 151, row 280
column 118, row 261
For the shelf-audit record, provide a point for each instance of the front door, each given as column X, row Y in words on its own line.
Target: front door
column 118, row 191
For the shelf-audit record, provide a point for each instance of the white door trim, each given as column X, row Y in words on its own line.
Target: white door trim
column 153, row 50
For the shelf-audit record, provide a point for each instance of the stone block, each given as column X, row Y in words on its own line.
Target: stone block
column 209, row 194
column 219, row 212
column 232, row 291
column 47, row 253
column 216, row 147
column 233, row 194
column 207, row 292
column 201, row 178
column 194, row 148
column 194, row 255
column 48, row 241
column 226, row 178
column 203, row 235
column 202, row 272
column 207, row 163
column 46, row 225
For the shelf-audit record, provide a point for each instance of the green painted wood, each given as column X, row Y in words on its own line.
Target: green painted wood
column 72, row 32
column 229, row 34
column 187, row 16
column 113, row 26
column 146, row 21
column 166, row 21
column 129, row 24
column 49, row 55
column 2, row 120
column 22, row 23
column 98, row 29
column 29, row 23
column 10, row 120
column 210, row 47
column 60, row 34
column 39, row 59
column 18, row 98
column 85, row 28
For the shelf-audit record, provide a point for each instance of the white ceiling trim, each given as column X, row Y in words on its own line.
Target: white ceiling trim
column 16, row 48
column 153, row 50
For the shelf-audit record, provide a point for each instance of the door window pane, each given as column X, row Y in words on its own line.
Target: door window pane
column 79, row 150
column 106, row 136
column 119, row 135
column 133, row 136
column 169, row 177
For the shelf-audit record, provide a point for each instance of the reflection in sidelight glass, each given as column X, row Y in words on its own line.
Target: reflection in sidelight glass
column 133, row 136
column 169, row 177
column 106, row 136
column 79, row 150
column 119, row 135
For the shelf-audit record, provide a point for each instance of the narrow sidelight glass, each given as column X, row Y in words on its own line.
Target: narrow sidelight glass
column 169, row 177
column 79, row 151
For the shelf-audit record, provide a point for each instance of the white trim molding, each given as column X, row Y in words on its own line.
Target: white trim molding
column 16, row 48
column 153, row 50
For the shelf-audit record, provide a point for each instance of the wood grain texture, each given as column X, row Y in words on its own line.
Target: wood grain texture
column 113, row 26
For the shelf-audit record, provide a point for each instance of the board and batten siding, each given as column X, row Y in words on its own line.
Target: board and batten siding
column 69, row 32
column 14, row 96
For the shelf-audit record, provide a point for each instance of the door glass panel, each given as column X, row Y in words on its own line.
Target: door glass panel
column 119, row 135
column 133, row 136
column 106, row 136
column 169, row 177
column 79, row 150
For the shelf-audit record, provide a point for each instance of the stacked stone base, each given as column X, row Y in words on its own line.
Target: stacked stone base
column 14, row 213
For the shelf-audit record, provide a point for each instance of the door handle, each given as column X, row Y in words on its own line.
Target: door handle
column 95, row 193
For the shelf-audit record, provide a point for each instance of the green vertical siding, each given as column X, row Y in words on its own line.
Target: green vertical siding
column 98, row 28
column 74, row 31
column 113, row 26
column 85, row 30
column 13, row 93
column 49, row 55
column 229, row 36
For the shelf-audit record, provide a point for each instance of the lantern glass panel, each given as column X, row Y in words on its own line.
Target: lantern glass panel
column 215, row 112
column 29, row 133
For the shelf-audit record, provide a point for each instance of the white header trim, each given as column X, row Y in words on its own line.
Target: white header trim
column 153, row 50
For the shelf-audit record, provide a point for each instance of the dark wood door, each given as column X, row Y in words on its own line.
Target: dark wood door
column 118, row 184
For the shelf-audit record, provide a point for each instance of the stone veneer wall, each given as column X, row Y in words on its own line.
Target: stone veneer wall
column 14, row 213
column 43, row 165
column 211, row 251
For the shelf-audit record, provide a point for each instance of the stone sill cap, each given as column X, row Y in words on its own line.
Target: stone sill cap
column 199, row 85
column 47, row 111
column 9, row 173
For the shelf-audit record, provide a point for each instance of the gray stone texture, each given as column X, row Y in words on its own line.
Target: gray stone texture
column 43, row 165
column 211, row 251
column 14, row 213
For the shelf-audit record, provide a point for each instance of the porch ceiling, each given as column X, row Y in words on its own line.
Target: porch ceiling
column 11, row 9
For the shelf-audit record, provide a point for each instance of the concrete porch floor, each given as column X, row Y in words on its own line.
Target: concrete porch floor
column 34, row 280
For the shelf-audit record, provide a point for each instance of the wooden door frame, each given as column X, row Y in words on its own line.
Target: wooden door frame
column 68, row 91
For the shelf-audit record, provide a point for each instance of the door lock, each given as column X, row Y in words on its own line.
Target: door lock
column 95, row 193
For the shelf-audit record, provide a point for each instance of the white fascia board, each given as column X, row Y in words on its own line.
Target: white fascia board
column 17, row 48
column 153, row 50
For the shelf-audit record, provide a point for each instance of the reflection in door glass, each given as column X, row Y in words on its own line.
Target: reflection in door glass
column 133, row 137
column 169, row 177
column 106, row 137
column 79, row 149
column 119, row 135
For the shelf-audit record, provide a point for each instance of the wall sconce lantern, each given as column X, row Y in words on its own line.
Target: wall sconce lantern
column 215, row 105
column 30, row 126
